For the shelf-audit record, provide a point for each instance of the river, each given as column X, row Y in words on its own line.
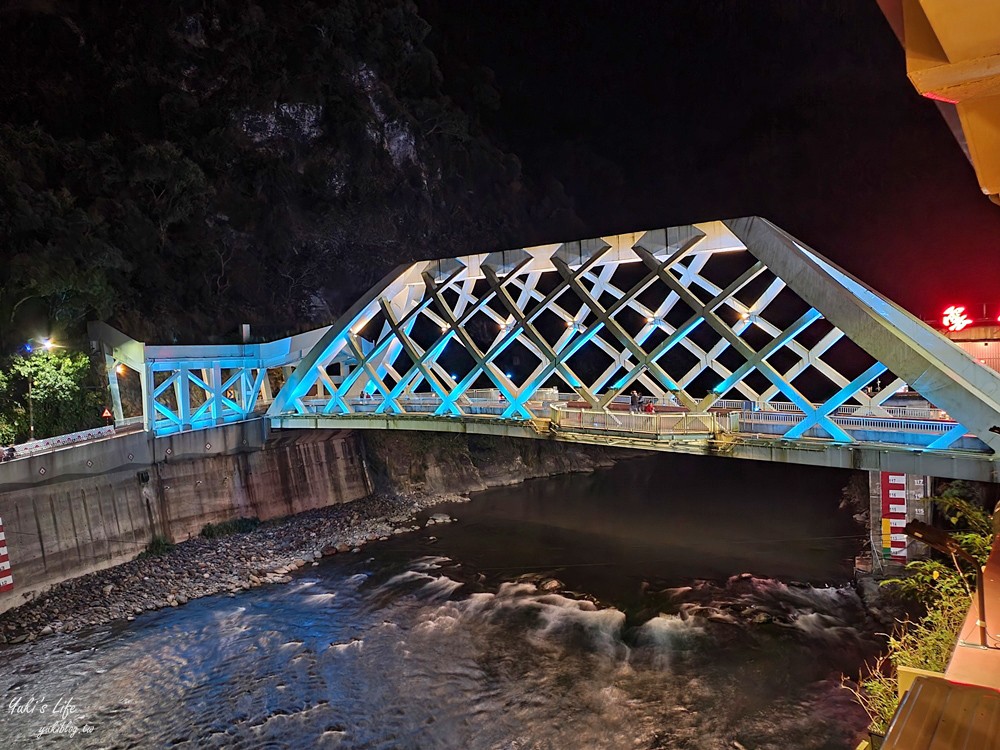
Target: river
column 701, row 603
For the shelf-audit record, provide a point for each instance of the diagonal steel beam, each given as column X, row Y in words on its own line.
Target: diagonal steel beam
column 726, row 332
column 944, row 374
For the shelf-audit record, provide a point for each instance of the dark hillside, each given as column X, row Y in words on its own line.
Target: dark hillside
column 178, row 168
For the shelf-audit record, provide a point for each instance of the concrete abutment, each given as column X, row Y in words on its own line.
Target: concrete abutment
column 88, row 507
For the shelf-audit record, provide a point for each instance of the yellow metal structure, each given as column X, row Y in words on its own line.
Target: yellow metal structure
column 953, row 57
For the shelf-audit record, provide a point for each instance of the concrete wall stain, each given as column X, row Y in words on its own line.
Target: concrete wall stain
column 90, row 508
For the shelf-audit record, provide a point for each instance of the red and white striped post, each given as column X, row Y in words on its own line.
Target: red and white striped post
column 6, row 575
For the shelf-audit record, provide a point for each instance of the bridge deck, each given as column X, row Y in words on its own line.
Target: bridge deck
column 724, row 432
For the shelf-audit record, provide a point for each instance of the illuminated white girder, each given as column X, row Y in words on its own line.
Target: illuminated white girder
column 194, row 387
column 734, row 311
column 483, row 304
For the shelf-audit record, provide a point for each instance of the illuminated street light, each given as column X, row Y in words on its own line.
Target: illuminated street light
column 942, row 541
column 120, row 368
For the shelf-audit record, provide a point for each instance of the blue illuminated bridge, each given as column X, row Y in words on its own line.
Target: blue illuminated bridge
column 741, row 341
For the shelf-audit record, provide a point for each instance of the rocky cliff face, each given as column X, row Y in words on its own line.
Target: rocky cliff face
column 441, row 463
column 179, row 168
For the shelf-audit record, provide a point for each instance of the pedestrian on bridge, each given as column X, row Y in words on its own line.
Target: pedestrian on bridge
column 633, row 402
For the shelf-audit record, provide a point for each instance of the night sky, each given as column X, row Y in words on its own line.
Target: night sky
column 661, row 113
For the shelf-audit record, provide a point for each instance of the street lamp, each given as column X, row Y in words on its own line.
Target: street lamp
column 47, row 345
column 942, row 541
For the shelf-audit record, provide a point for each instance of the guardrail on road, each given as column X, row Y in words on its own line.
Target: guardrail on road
column 45, row 445
column 661, row 424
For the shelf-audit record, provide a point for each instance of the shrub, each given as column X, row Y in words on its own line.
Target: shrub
column 928, row 643
column 876, row 693
column 237, row 526
column 157, row 546
column 944, row 591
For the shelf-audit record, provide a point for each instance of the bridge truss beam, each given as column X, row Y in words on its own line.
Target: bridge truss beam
column 193, row 387
column 690, row 315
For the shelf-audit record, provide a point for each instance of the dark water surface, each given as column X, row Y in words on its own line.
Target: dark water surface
column 443, row 639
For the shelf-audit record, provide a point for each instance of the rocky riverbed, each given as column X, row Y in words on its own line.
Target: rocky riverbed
column 204, row 567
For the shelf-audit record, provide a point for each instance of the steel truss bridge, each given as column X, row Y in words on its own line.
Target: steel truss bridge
column 747, row 342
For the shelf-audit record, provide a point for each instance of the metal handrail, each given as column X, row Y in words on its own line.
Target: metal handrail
column 937, row 427
column 659, row 423
column 46, row 445
column 784, row 407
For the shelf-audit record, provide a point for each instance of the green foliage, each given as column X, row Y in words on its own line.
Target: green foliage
column 171, row 188
column 61, row 395
column 8, row 428
column 157, row 547
column 877, row 694
column 943, row 589
column 931, row 581
column 925, row 644
column 928, row 581
column 236, row 526
column 928, row 643
column 62, row 263
column 180, row 169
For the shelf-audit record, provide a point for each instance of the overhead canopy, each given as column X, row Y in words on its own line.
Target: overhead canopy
column 953, row 57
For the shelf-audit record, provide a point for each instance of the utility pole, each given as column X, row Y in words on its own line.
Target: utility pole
column 31, row 407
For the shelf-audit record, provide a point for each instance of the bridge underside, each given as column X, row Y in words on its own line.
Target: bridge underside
column 949, row 464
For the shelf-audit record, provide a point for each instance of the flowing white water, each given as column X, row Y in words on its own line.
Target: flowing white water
column 452, row 643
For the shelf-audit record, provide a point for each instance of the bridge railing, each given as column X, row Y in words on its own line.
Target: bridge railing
column 489, row 402
column 926, row 426
column 45, row 445
column 897, row 412
column 479, row 401
column 657, row 424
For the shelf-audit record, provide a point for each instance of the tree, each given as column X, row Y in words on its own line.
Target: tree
column 8, row 430
column 61, row 399
column 63, row 263
column 170, row 187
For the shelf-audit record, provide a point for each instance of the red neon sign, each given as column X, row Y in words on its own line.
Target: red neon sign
column 955, row 319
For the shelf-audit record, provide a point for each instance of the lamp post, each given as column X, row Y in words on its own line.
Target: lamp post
column 942, row 541
column 48, row 346
column 31, row 408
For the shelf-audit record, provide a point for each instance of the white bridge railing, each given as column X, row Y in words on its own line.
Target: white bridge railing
column 727, row 416
column 663, row 424
column 45, row 445
column 926, row 426
column 896, row 412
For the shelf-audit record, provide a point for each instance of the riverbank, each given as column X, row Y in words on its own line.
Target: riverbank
column 698, row 607
column 203, row 567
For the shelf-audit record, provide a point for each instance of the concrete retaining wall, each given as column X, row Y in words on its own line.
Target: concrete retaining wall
column 91, row 506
